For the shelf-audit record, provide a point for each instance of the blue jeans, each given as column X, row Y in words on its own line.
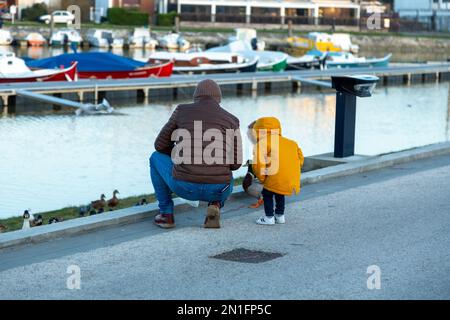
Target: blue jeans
column 164, row 184
column 268, row 197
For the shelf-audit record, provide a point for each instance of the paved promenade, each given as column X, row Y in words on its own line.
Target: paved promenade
column 397, row 219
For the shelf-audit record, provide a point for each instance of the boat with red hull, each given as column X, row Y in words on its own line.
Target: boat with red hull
column 105, row 65
column 157, row 70
column 13, row 69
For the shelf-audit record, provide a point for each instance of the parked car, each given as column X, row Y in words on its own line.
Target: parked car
column 58, row 17
column 6, row 15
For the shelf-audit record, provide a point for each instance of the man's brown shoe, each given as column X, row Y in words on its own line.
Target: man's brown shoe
column 165, row 220
column 212, row 219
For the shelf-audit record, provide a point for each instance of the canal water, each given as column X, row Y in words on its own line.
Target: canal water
column 53, row 160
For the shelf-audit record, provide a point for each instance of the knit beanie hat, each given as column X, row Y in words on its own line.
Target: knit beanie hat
column 208, row 88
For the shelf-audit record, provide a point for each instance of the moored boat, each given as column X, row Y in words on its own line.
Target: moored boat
column 337, row 42
column 104, row 39
column 105, row 65
column 174, row 41
column 13, row 69
column 35, row 39
column 6, row 38
column 206, row 62
column 141, row 38
column 66, row 36
column 267, row 60
column 314, row 59
column 348, row 60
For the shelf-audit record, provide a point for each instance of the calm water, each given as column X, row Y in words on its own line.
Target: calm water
column 51, row 161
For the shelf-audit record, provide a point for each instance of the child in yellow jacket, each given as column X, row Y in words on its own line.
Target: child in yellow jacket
column 277, row 163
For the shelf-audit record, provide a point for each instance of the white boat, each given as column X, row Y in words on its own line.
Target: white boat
column 104, row 39
column 343, row 41
column 206, row 62
column 66, row 36
column 141, row 38
column 267, row 60
column 249, row 36
column 174, row 41
column 35, row 39
column 6, row 38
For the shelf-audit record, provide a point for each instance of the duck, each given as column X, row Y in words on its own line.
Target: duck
column 97, row 204
column 37, row 221
column 3, row 228
column 114, row 201
column 253, row 187
column 141, row 203
column 55, row 220
column 26, row 220
column 84, row 210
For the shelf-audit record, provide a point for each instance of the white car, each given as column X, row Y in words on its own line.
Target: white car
column 58, row 17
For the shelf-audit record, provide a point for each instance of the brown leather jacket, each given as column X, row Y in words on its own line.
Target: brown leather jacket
column 207, row 111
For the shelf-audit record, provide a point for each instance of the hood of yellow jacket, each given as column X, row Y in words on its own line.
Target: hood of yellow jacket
column 266, row 126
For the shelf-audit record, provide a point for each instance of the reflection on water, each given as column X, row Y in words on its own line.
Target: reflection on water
column 51, row 161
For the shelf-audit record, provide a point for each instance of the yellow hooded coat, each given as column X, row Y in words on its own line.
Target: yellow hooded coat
column 277, row 161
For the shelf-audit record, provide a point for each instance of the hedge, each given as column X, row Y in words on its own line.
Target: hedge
column 127, row 17
column 34, row 12
column 166, row 19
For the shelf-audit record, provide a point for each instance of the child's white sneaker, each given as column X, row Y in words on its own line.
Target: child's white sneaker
column 267, row 221
column 279, row 218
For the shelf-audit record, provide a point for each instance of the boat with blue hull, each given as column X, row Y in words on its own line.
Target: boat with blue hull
column 348, row 60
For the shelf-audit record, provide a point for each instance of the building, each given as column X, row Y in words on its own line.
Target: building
column 433, row 12
column 265, row 11
column 102, row 6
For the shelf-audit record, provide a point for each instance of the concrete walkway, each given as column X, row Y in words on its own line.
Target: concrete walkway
column 396, row 218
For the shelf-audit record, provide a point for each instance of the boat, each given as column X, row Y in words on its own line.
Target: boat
column 6, row 38
column 267, row 60
column 105, row 65
column 66, row 36
column 206, row 62
column 248, row 35
column 348, row 60
column 35, row 39
column 141, row 38
column 104, row 39
column 13, row 69
column 337, row 42
column 314, row 59
column 174, row 41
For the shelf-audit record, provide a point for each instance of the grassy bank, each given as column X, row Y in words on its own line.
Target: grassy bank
column 15, row 223
column 68, row 213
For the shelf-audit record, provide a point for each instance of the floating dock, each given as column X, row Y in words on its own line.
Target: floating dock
column 97, row 90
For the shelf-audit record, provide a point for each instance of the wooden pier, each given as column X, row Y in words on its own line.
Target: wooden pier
column 99, row 89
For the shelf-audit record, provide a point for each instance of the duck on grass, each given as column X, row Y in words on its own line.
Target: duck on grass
column 16, row 223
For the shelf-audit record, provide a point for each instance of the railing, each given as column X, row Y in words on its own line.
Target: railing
column 230, row 18
column 265, row 19
column 198, row 17
column 385, row 23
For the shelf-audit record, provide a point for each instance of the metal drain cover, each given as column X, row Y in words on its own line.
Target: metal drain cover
column 247, row 256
